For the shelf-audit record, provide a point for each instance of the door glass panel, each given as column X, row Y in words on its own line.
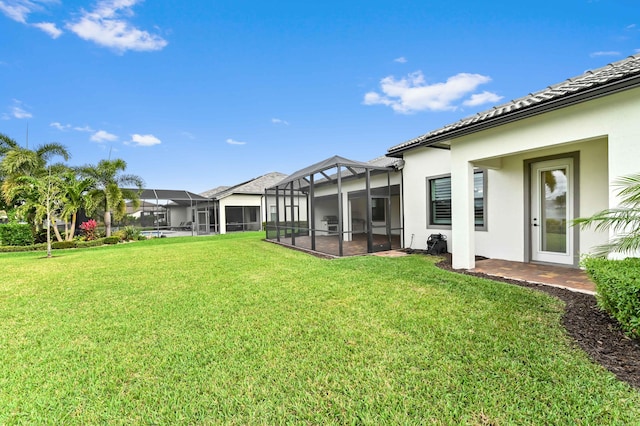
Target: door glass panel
column 554, row 210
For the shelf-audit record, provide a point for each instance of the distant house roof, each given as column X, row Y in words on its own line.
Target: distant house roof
column 615, row 77
column 211, row 193
column 254, row 186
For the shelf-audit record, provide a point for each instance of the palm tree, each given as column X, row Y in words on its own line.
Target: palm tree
column 75, row 192
column 6, row 144
column 18, row 161
column 109, row 194
column 623, row 220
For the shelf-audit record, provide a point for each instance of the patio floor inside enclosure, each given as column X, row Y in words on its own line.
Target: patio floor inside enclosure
column 338, row 207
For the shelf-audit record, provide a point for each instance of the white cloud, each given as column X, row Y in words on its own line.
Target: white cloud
column 17, row 111
column 482, row 98
column 411, row 93
column 19, row 10
column 233, row 142
column 107, row 26
column 401, row 60
column 20, row 113
column 144, row 140
column 59, row 126
column 604, row 53
column 49, row 28
column 83, row 129
column 279, row 121
column 103, row 136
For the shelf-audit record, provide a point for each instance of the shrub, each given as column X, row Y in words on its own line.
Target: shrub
column 16, row 234
column 63, row 244
column 618, row 288
column 90, row 229
column 91, row 243
column 14, row 249
column 114, row 239
column 130, row 233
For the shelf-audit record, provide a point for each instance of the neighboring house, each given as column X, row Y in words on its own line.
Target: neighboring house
column 241, row 207
column 339, row 206
column 148, row 213
column 507, row 182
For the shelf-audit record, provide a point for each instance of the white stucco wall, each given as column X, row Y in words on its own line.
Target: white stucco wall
column 420, row 164
column 605, row 132
column 239, row 200
column 592, row 127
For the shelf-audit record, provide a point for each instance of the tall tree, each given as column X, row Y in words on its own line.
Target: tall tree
column 41, row 198
column 110, row 192
column 623, row 220
column 18, row 161
column 6, row 144
column 76, row 196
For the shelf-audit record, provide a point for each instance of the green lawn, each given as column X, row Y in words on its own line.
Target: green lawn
column 234, row 330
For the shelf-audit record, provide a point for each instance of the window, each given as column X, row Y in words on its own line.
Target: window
column 478, row 198
column 378, row 209
column 439, row 199
column 273, row 213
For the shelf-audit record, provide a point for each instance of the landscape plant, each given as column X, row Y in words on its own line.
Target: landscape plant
column 234, row 330
column 16, row 234
column 618, row 289
column 112, row 189
column 90, row 229
column 617, row 281
column 623, row 220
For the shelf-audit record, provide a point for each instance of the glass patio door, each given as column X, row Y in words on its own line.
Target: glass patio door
column 551, row 211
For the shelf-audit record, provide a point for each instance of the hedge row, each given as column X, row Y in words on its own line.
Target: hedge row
column 16, row 234
column 618, row 288
column 56, row 245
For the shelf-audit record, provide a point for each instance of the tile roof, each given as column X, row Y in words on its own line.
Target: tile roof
column 576, row 89
column 254, row 186
column 211, row 193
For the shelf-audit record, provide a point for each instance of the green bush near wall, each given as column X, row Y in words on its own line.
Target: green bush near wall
column 618, row 287
column 16, row 234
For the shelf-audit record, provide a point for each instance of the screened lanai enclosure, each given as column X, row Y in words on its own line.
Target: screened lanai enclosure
column 177, row 212
column 338, row 207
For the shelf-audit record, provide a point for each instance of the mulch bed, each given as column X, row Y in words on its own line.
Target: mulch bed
column 592, row 329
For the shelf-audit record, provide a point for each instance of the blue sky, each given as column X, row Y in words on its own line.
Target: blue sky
column 198, row 94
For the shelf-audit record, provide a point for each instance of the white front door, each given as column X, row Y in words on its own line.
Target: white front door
column 552, row 195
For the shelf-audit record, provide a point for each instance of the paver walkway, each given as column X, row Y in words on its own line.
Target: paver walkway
column 558, row 276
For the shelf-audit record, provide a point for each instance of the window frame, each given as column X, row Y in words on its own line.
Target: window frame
column 430, row 222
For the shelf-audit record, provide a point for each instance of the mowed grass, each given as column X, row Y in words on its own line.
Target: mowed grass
column 235, row 330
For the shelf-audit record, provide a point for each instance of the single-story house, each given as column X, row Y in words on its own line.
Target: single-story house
column 507, row 182
column 241, row 207
column 339, row 206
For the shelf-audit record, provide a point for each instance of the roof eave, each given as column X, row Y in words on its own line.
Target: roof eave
column 520, row 114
